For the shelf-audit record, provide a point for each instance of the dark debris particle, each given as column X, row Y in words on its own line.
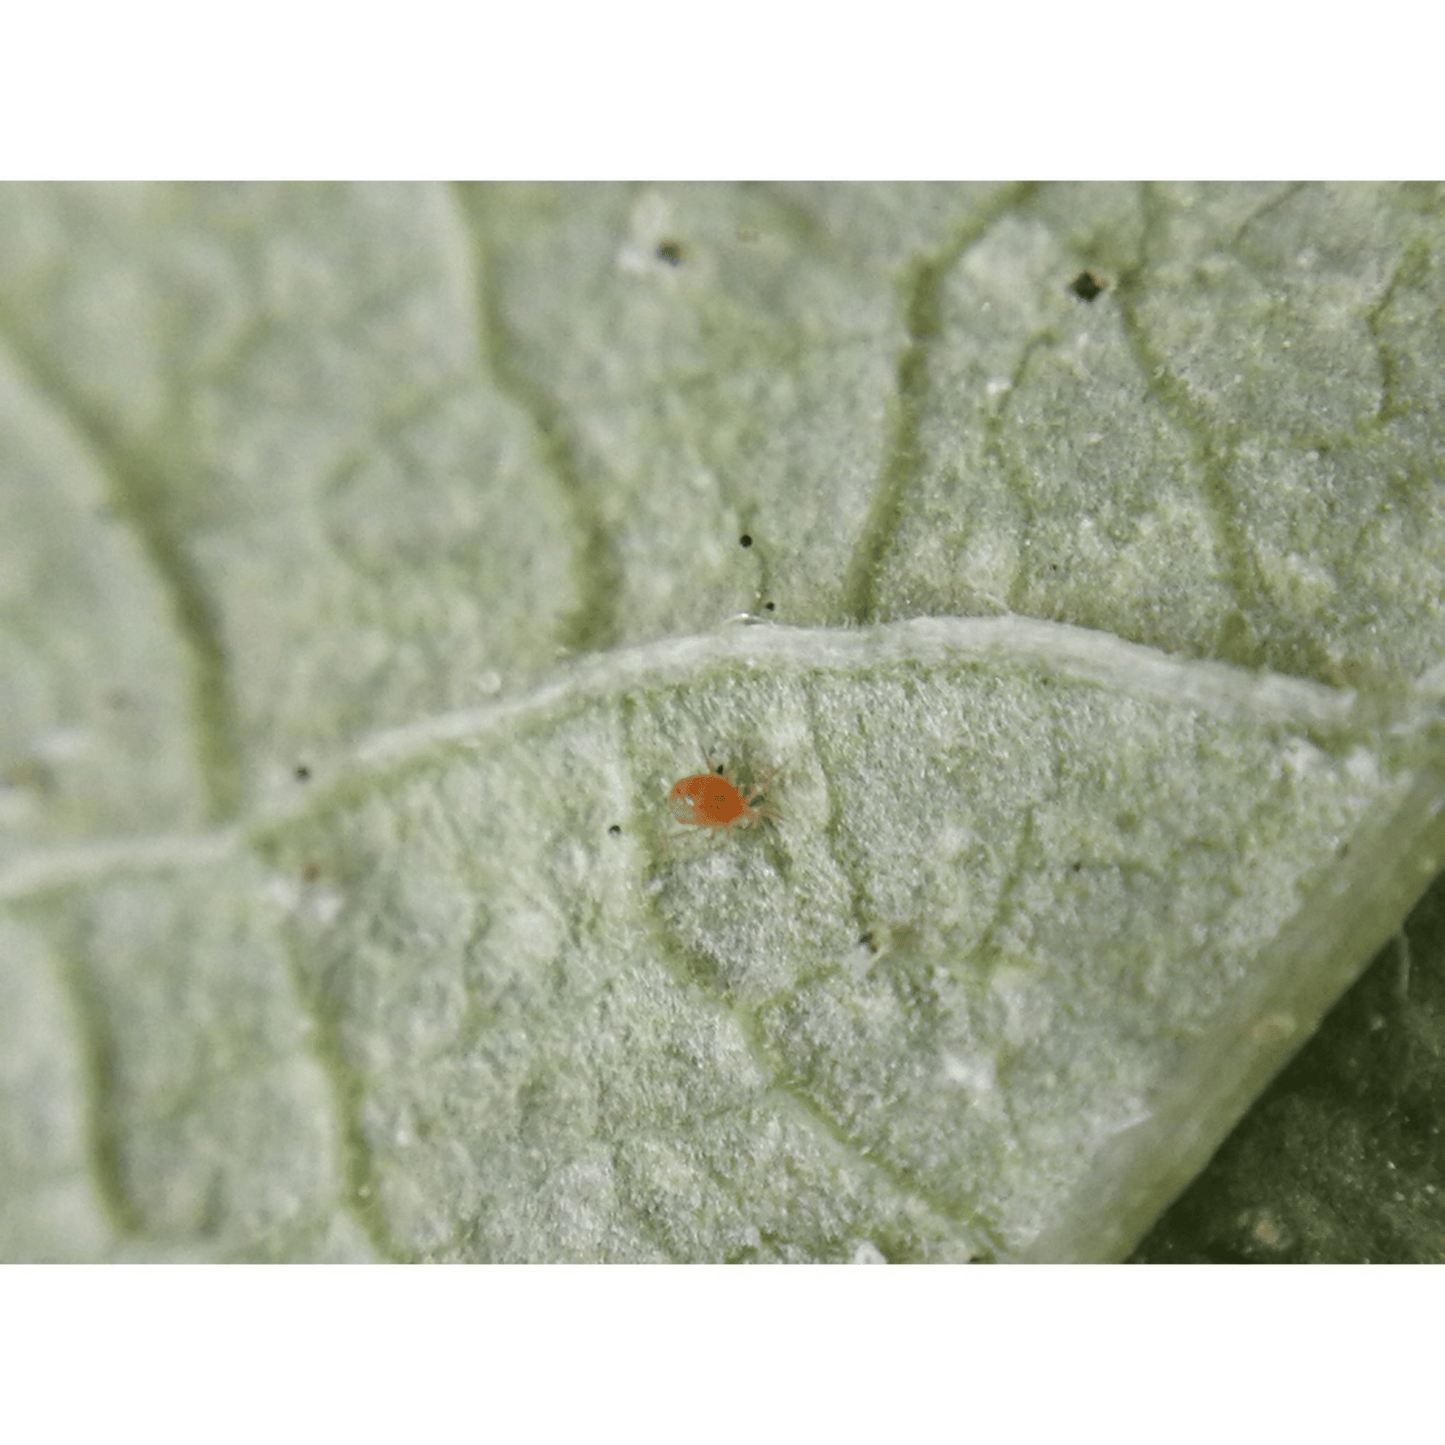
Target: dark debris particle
column 1086, row 286
column 769, row 606
column 671, row 252
column 302, row 772
column 746, row 540
column 616, row 830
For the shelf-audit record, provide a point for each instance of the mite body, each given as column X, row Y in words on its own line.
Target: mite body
column 713, row 800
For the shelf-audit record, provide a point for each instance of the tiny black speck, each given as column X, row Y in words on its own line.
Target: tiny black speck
column 746, row 540
column 1086, row 286
column 303, row 772
column 671, row 252
column 615, row 830
column 768, row 606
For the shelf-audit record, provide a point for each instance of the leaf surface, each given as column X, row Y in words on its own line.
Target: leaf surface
column 375, row 558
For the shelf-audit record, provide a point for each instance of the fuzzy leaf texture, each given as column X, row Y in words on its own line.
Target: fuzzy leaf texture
column 373, row 560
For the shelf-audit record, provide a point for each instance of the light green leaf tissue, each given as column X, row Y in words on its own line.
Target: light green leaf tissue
column 374, row 559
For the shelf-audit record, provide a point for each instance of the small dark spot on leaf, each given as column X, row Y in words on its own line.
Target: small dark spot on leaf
column 671, row 252
column 768, row 606
column 616, row 830
column 746, row 540
column 29, row 773
column 866, row 939
column 302, row 772
column 1086, row 286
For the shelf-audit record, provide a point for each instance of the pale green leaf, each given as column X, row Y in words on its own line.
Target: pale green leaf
column 374, row 559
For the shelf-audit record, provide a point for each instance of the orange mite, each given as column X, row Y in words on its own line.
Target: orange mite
column 711, row 800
